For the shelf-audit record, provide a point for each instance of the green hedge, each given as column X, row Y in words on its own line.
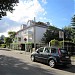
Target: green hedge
column 3, row 45
column 56, row 43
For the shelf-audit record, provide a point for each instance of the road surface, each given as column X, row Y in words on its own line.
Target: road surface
column 19, row 63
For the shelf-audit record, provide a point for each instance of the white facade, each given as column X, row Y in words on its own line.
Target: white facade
column 24, row 34
column 33, row 34
column 39, row 31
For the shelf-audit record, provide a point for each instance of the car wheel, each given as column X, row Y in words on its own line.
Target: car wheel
column 52, row 63
column 32, row 58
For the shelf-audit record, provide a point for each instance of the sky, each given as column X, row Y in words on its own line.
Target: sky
column 57, row 12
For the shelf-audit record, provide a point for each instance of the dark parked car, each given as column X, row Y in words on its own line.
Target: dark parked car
column 52, row 56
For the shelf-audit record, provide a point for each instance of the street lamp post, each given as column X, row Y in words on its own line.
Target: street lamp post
column 34, row 38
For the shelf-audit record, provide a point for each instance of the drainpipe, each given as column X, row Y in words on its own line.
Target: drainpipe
column 34, row 37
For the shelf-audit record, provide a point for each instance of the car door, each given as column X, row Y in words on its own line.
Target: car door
column 39, row 54
column 45, row 55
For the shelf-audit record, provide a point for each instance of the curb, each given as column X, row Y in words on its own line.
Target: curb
column 5, row 49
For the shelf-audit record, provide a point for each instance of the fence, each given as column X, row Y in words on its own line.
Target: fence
column 25, row 47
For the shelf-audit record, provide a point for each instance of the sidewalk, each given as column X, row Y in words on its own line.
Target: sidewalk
column 22, row 52
column 5, row 49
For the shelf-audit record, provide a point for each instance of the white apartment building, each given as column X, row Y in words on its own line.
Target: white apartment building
column 33, row 32
column 30, row 33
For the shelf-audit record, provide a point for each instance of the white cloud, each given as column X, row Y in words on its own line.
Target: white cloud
column 17, row 28
column 4, row 33
column 27, row 9
column 45, row 19
column 44, row 1
column 45, row 13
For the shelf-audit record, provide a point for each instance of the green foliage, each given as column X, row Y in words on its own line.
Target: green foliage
column 55, row 43
column 1, row 42
column 3, row 45
column 40, row 23
column 73, row 28
column 68, row 32
column 8, row 40
column 2, row 39
column 60, row 44
column 73, row 21
column 7, row 5
column 11, row 34
column 50, row 34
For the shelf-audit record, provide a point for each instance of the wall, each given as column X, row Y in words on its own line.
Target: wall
column 28, row 34
column 39, row 33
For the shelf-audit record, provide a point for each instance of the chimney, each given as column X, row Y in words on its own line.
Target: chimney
column 23, row 26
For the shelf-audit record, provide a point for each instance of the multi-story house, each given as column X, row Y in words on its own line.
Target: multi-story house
column 31, row 33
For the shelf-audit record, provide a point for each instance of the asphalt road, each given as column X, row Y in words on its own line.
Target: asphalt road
column 19, row 63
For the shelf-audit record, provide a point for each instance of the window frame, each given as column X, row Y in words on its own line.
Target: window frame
column 40, row 49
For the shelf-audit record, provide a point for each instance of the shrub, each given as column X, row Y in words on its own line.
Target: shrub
column 3, row 46
column 55, row 43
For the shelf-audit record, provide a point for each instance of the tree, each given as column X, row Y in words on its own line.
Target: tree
column 73, row 22
column 50, row 34
column 68, row 31
column 8, row 40
column 12, row 34
column 7, row 5
column 40, row 23
column 2, row 39
column 73, row 28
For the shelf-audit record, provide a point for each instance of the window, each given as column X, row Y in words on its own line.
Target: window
column 19, row 38
column 63, row 51
column 25, row 32
column 40, row 49
column 47, row 50
column 53, row 50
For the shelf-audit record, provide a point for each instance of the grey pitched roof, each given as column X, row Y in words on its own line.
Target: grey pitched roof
column 37, row 24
